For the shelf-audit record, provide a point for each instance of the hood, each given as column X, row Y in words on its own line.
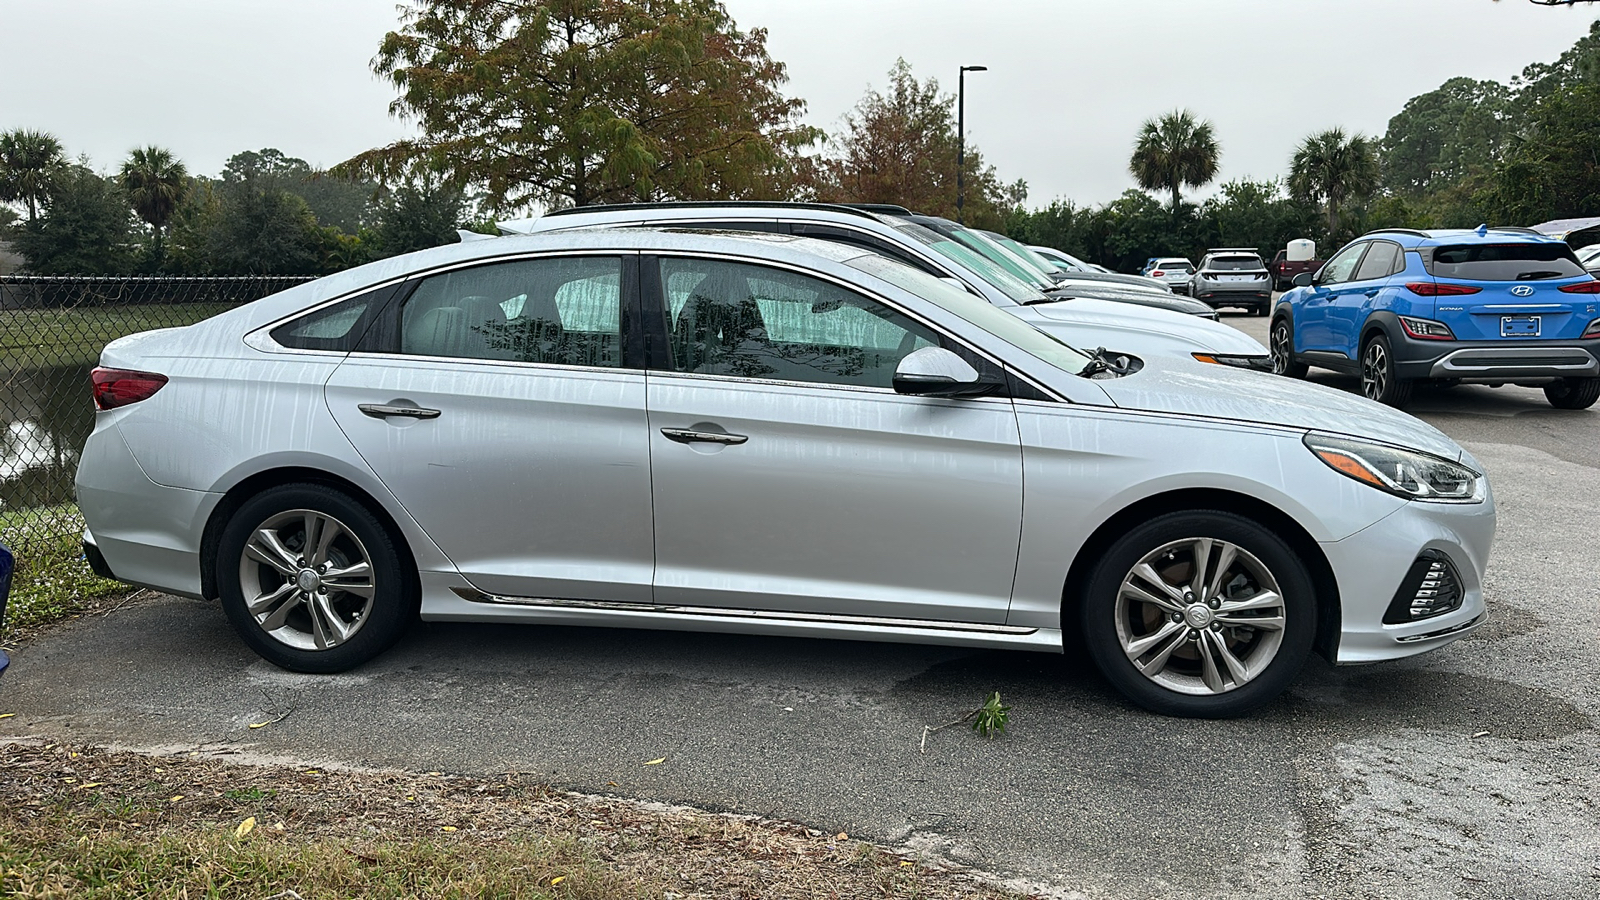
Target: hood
column 1174, row 385
column 1138, row 322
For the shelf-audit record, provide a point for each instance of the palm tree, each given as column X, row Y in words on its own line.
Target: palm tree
column 1331, row 168
column 156, row 183
column 29, row 161
column 1175, row 150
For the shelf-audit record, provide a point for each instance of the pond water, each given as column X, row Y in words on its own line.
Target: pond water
column 46, row 414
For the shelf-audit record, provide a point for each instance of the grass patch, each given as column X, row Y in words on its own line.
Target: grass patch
column 94, row 824
column 52, row 581
column 74, row 337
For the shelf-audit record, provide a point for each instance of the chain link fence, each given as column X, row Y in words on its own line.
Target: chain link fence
column 51, row 334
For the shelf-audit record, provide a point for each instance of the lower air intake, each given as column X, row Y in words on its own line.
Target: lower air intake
column 1430, row 588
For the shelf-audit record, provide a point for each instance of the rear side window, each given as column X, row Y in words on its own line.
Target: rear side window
column 1504, row 262
column 1381, row 261
column 338, row 327
column 1235, row 263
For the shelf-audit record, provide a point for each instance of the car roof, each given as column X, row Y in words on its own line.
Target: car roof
column 579, row 216
column 1435, row 237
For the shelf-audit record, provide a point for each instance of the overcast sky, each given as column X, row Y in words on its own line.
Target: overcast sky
column 1068, row 85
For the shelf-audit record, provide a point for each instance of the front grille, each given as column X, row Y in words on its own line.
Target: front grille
column 1431, row 588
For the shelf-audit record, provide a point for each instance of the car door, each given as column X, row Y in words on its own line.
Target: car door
column 502, row 409
column 1354, row 300
column 1313, row 318
column 789, row 476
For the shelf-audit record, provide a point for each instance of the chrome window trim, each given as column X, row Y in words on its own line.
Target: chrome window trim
column 814, row 385
column 498, row 363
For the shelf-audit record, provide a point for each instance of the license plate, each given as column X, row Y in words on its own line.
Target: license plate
column 1519, row 326
column 1238, row 278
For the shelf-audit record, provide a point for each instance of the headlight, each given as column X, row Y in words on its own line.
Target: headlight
column 1404, row 473
column 1259, row 363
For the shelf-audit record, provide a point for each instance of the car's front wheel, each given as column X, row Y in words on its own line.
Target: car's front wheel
column 1202, row 614
column 1282, row 347
column 312, row 581
column 1379, row 381
column 1573, row 393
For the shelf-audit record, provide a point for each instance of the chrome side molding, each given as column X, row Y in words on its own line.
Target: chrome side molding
column 476, row 596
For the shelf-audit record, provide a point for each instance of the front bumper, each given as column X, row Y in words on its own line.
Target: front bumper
column 1505, row 360
column 1371, row 565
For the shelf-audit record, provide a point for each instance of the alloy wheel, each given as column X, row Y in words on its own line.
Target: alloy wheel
column 307, row 579
column 1375, row 373
column 1200, row 616
column 1280, row 348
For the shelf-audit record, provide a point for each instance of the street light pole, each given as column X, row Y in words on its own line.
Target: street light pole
column 961, row 137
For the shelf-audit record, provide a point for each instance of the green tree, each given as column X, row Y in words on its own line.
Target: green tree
column 1247, row 213
column 901, row 148
column 1172, row 151
column 82, row 229
column 263, row 231
column 418, row 215
column 335, row 199
column 573, row 102
column 1553, row 170
column 156, row 183
column 1446, row 135
column 1332, row 168
column 29, row 162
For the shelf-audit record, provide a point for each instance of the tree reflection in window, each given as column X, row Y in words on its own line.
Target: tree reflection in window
column 753, row 322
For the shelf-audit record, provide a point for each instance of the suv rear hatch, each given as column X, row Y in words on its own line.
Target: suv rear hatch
column 1512, row 291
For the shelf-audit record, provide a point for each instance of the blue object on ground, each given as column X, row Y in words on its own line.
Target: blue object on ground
column 7, row 562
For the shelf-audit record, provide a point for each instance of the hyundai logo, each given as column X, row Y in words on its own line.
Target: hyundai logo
column 1522, row 290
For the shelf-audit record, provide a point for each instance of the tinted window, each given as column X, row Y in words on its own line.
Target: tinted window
column 1234, row 263
column 754, row 322
column 337, row 327
column 1176, row 265
column 560, row 311
column 1343, row 265
column 1381, row 261
column 1504, row 262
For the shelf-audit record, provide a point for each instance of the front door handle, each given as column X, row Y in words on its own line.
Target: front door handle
column 381, row 411
column 690, row 436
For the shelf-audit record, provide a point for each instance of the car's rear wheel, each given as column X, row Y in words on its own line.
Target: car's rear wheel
column 1202, row 614
column 1573, row 393
column 312, row 580
column 1281, row 340
column 1379, row 381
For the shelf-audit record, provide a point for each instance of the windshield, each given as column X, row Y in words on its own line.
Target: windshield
column 1027, row 255
column 1014, row 289
column 1504, row 262
column 1001, row 324
column 1003, row 258
column 1234, row 263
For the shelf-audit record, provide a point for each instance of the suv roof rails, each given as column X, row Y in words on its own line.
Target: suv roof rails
column 716, row 204
column 1234, row 250
column 888, row 209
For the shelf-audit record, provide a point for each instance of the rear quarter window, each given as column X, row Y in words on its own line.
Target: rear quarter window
column 1503, row 262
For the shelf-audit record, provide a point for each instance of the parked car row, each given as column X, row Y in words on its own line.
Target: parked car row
column 775, row 419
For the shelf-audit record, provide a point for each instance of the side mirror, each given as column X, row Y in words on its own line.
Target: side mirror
column 937, row 372
column 1303, row 279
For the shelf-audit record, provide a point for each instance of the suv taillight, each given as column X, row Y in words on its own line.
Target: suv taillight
column 120, row 387
column 1435, row 289
column 1582, row 287
column 1593, row 331
column 1157, row 273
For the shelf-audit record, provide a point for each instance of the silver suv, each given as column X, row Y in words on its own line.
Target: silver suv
column 1088, row 323
column 1233, row 277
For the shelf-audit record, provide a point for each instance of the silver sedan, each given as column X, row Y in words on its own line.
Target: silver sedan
column 768, row 435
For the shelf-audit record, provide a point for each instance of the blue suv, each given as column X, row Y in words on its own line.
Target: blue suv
column 1486, row 306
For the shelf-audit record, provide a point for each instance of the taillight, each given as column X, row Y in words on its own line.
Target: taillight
column 1435, row 289
column 1157, row 273
column 1593, row 331
column 1582, row 287
column 1427, row 329
column 120, row 387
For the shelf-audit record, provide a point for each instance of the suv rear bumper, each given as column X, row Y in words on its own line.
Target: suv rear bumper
column 1496, row 360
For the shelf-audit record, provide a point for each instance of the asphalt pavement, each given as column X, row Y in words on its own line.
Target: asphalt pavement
column 1468, row 772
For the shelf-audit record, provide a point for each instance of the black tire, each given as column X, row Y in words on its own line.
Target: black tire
column 1179, row 685
column 347, row 616
column 1280, row 341
column 1573, row 393
column 1379, row 381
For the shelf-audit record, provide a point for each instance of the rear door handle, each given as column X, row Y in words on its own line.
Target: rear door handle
column 689, row 436
column 1373, row 292
column 381, row 411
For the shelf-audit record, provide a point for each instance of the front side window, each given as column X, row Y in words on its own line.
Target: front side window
column 562, row 311
column 750, row 321
column 1343, row 265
